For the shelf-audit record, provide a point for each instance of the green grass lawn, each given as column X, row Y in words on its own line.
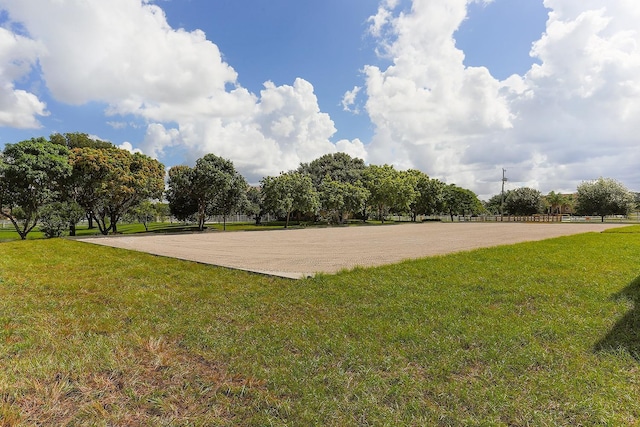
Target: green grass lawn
column 544, row 333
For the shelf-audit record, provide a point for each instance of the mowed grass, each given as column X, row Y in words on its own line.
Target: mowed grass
column 544, row 333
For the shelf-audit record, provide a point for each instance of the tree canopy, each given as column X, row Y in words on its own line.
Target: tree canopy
column 523, row 201
column 338, row 198
column 428, row 195
column 78, row 140
column 390, row 190
column 32, row 173
column 602, row 197
column 460, row 201
column 212, row 187
column 113, row 180
column 339, row 167
column 289, row 192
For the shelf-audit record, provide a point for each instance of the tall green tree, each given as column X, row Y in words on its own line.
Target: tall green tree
column 390, row 190
column 230, row 198
column 212, row 187
column 76, row 185
column 494, row 204
column 339, row 198
column 115, row 180
column 289, row 192
column 32, row 173
column 461, row 201
column 254, row 205
column 602, row 197
column 523, row 201
column 428, row 195
column 182, row 203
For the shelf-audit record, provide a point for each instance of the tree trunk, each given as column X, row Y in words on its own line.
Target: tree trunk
column 90, row 221
column 102, row 225
column 286, row 224
column 201, row 216
column 113, row 219
column 72, row 229
column 224, row 223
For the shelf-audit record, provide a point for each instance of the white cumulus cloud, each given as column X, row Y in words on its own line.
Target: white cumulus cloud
column 18, row 108
column 349, row 100
column 428, row 108
column 123, row 53
column 129, row 147
column 570, row 118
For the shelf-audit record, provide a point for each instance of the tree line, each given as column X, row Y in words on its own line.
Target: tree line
column 600, row 197
column 58, row 182
column 332, row 188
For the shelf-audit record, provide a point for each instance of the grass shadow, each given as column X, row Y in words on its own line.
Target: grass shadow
column 625, row 334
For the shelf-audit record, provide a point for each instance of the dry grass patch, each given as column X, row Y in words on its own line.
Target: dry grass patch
column 155, row 382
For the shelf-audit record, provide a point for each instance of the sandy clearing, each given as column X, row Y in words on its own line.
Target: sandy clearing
column 301, row 253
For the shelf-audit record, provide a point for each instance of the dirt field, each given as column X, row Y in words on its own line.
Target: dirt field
column 302, row 253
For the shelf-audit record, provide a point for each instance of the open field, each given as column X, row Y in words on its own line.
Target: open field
column 539, row 333
column 305, row 252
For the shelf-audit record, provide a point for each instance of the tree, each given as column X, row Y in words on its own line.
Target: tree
column 78, row 140
column 182, row 203
column 144, row 212
column 56, row 217
column 523, row 201
column 75, row 186
column 230, row 198
column 31, row 175
column 113, row 181
column 338, row 198
column 461, row 201
column 212, row 187
column 253, row 204
column 494, row 204
column 339, row 167
column 390, row 190
column 288, row 192
column 602, row 197
column 162, row 211
column 428, row 195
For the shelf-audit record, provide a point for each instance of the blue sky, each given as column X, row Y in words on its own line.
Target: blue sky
column 451, row 87
column 499, row 35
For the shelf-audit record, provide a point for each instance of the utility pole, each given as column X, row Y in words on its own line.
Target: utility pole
column 504, row 179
